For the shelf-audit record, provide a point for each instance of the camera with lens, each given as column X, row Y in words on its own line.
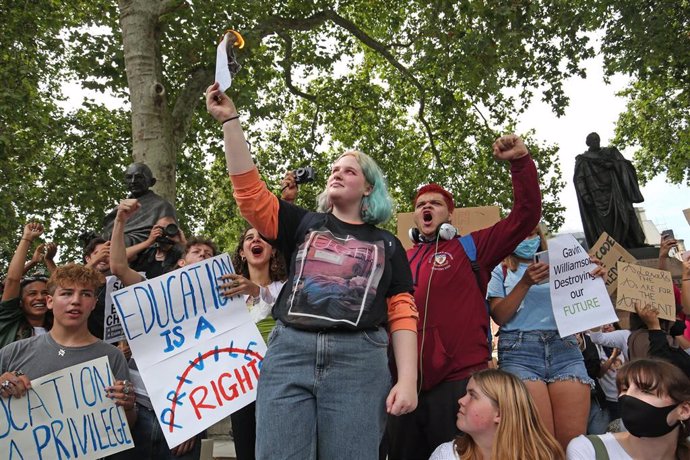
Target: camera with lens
column 304, row 175
column 169, row 231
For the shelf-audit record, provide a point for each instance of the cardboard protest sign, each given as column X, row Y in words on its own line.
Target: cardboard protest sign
column 466, row 220
column 686, row 212
column 646, row 286
column 198, row 352
column 65, row 415
column 610, row 253
column 580, row 301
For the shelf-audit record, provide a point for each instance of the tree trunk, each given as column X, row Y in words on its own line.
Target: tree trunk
column 152, row 139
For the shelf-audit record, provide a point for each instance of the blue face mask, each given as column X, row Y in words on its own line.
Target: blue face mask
column 527, row 248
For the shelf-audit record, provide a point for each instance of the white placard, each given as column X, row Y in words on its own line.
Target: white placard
column 65, row 415
column 198, row 352
column 580, row 301
column 112, row 329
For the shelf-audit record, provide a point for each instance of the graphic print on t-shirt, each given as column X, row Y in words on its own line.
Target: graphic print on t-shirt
column 336, row 278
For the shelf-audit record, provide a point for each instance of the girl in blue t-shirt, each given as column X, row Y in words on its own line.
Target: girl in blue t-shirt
column 529, row 345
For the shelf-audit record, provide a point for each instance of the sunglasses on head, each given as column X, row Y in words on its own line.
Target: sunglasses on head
column 30, row 279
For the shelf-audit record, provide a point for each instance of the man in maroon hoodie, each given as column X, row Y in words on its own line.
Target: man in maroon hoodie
column 453, row 317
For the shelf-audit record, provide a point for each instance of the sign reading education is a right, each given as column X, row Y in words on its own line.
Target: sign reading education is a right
column 199, row 353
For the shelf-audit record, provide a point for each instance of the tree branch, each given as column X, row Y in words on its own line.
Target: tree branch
column 273, row 24
column 277, row 24
column 486, row 123
column 383, row 51
column 400, row 44
column 312, row 135
column 168, row 6
column 287, row 69
column 187, row 102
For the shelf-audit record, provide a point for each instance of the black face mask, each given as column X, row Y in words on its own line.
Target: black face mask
column 644, row 420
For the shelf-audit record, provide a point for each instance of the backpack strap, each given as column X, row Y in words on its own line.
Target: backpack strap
column 470, row 248
column 600, row 451
column 504, row 269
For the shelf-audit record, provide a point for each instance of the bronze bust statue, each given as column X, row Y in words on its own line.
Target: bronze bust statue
column 139, row 179
column 606, row 187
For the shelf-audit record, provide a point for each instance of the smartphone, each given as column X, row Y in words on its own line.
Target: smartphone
column 543, row 257
column 667, row 234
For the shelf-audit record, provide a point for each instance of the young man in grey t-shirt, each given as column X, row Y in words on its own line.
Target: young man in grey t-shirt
column 71, row 297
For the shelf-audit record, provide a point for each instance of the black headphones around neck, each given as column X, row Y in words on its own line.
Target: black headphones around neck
column 445, row 231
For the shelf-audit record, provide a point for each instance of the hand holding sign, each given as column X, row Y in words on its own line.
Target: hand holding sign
column 649, row 315
column 14, row 384
column 599, row 271
column 237, row 284
column 122, row 393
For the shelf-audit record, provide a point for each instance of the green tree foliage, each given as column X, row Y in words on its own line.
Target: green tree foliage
column 650, row 41
column 34, row 132
column 424, row 87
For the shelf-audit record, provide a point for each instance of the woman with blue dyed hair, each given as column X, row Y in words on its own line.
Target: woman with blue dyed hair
column 376, row 206
column 325, row 387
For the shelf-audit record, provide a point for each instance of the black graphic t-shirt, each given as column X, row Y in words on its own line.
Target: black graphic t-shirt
column 340, row 274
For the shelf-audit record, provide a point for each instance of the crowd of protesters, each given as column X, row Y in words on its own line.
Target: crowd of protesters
column 373, row 351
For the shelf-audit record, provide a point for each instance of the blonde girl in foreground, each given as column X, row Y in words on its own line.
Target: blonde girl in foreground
column 499, row 421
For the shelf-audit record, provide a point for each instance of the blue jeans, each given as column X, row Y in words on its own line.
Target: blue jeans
column 322, row 395
column 599, row 418
column 542, row 356
column 150, row 443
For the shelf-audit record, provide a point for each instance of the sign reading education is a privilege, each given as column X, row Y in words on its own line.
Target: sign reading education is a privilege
column 645, row 286
column 609, row 252
column 64, row 415
column 198, row 352
column 580, row 301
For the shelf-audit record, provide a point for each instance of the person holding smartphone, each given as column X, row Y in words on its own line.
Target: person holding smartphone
column 529, row 345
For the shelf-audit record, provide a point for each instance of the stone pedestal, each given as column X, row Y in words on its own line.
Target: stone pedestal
column 644, row 253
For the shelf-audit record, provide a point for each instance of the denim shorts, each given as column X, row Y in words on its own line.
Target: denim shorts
column 542, row 356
